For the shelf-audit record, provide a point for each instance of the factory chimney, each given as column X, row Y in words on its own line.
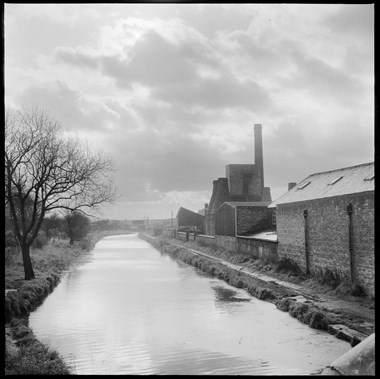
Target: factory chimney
column 259, row 150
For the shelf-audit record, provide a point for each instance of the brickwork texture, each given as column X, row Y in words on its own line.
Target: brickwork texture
column 328, row 236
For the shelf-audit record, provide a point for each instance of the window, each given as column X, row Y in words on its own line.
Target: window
column 303, row 185
column 370, row 177
column 274, row 217
column 335, row 180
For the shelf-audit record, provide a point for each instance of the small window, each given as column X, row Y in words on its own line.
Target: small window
column 274, row 217
column 302, row 186
column 335, row 180
column 370, row 177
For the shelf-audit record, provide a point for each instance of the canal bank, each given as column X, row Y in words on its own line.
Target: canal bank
column 24, row 354
column 134, row 310
column 346, row 317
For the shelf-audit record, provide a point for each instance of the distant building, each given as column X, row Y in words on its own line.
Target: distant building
column 189, row 219
column 243, row 183
column 326, row 221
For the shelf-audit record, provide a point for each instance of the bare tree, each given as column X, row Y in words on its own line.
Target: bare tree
column 46, row 170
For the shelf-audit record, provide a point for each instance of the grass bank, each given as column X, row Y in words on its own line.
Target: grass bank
column 299, row 305
column 24, row 354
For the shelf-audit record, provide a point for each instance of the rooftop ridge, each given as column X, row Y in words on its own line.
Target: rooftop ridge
column 340, row 169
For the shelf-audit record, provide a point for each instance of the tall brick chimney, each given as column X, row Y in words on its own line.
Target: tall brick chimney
column 259, row 162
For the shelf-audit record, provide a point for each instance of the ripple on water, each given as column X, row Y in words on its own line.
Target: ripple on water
column 131, row 310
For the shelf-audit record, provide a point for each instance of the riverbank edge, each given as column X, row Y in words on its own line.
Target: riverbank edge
column 285, row 299
column 20, row 341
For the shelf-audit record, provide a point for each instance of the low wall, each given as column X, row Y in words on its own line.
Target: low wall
column 257, row 248
column 183, row 236
column 226, row 242
column 206, row 240
column 168, row 232
column 265, row 250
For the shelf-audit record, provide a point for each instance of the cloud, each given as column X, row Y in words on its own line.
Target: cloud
column 153, row 62
column 76, row 58
column 68, row 106
column 323, row 81
column 300, row 146
column 174, row 75
column 169, row 162
column 224, row 92
column 353, row 20
column 172, row 92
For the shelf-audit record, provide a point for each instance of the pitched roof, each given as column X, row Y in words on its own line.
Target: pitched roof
column 343, row 181
column 188, row 211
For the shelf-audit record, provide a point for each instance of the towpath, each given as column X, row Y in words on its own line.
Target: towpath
column 356, row 313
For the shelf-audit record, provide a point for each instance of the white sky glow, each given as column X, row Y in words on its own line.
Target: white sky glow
column 172, row 91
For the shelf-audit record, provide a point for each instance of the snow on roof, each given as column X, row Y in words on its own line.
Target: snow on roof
column 268, row 235
column 344, row 181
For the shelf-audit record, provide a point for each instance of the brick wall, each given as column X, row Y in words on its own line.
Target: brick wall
column 363, row 220
column 328, row 236
column 237, row 174
column 206, row 240
column 250, row 219
column 226, row 242
column 266, row 250
column 225, row 221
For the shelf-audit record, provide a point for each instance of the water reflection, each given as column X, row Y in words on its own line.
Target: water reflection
column 132, row 310
column 227, row 295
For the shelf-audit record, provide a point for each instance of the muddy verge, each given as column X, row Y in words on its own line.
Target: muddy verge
column 299, row 305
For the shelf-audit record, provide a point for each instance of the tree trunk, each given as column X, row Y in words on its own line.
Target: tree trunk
column 28, row 269
column 70, row 230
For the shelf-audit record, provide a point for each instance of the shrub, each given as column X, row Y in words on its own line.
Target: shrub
column 10, row 252
column 10, row 239
column 287, row 265
column 35, row 359
column 284, row 304
column 157, row 231
column 330, row 278
column 357, row 290
column 298, row 310
column 319, row 320
column 265, row 294
column 86, row 244
column 40, row 241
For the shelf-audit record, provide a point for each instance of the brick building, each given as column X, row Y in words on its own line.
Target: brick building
column 239, row 218
column 187, row 218
column 243, row 183
column 326, row 221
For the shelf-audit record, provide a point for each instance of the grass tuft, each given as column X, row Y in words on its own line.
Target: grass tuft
column 287, row 265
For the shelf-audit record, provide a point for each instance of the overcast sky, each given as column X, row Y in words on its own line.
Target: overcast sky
column 172, row 91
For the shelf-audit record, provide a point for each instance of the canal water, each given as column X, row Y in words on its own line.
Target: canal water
column 132, row 310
